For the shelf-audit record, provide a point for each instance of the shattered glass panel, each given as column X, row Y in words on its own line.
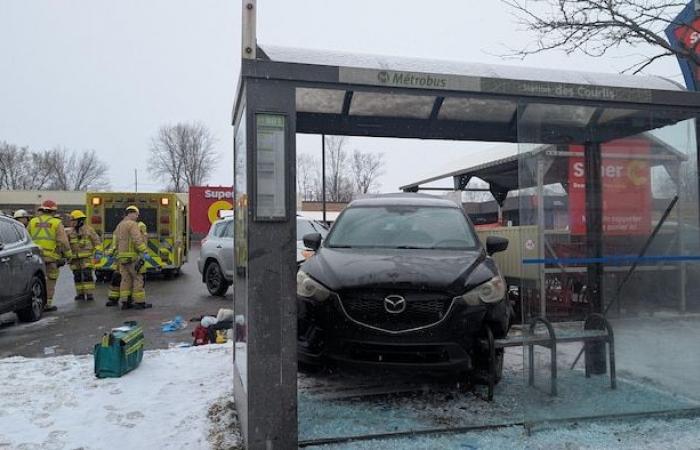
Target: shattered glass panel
column 609, row 245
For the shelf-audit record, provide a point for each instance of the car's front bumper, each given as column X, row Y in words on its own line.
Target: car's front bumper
column 326, row 332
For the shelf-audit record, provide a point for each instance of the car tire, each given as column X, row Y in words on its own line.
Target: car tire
column 33, row 312
column 480, row 375
column 214, row 279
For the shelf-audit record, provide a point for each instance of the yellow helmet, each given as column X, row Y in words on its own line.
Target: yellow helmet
column 132, row 208
column 77, row 214
column 143, row 228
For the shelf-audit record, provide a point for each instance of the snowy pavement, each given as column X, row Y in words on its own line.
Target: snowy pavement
column 57, row 403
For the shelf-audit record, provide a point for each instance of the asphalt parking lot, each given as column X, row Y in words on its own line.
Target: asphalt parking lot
column 77, row 326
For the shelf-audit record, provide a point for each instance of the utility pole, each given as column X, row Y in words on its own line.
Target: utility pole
column 136, row 180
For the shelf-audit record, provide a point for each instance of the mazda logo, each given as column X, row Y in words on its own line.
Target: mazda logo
column 394, row 304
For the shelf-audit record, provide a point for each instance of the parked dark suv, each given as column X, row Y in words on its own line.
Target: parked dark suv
column 401, row 281
column 22, row 278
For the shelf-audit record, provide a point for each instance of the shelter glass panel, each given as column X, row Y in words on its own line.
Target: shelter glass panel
column 240, row 170
column 391, row 105
column 609, row 245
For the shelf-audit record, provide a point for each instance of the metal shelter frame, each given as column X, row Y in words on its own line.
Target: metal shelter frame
column 282, row 92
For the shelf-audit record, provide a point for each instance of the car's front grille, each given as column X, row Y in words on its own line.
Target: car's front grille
column 421, row 310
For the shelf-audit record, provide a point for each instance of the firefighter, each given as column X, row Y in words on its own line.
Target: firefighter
column 48, row 233
column 114, row 284
column 83, row 242
column 22, row 216
column 129, row 244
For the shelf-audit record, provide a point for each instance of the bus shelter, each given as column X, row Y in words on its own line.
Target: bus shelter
column 283, row 91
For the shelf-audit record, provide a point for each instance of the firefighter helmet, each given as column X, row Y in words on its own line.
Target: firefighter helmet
column 132, row 208
column 21, row 213
column 48, row 205
column 77, row 214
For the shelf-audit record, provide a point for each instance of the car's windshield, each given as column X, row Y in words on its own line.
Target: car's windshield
column 403, row 227
column 305, row 227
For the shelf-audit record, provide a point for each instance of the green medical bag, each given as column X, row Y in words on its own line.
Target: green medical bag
column 120, row 351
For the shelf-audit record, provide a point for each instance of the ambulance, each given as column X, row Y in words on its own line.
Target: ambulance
column 165, row 216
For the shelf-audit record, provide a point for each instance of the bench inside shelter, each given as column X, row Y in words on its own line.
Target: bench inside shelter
column 595, row 328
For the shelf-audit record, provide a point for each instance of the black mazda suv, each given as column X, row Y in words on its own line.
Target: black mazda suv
column 401, row 281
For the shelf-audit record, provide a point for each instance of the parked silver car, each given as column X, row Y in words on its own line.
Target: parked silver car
column 22, row 277
column 215, row 261
column 216, row 257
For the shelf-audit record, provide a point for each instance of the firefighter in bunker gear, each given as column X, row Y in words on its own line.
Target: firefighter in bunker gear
column 22, row 216
column 48, row 233
column 129, row 244
column 83, row 241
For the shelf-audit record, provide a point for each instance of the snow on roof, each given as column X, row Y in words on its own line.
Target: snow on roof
column 436, row 66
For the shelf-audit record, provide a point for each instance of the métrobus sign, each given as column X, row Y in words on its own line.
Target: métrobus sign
column 420, row 80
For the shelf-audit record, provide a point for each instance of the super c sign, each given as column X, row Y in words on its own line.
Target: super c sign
column 684, row 34
column 205, row 204
column 626, row 188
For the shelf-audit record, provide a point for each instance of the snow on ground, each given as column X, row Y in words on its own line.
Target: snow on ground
column 169, row 401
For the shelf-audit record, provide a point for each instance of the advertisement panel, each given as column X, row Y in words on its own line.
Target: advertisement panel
column 626, row 189
column 206, row 204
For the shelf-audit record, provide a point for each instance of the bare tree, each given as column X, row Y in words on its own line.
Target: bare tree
column 339, row 185
column 307, row 176
column 73, row 171
column 593, row 27
column 366, row 169
column 15, row 167
column 60, row 169
column 182, row 155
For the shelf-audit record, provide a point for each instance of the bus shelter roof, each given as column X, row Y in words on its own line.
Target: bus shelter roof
column 382, row 96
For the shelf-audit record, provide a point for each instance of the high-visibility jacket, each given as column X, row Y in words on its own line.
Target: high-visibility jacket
column 83, row 241
column 48, row 233
column 128, row 241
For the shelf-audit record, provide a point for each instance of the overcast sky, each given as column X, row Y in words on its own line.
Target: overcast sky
column 104, row 75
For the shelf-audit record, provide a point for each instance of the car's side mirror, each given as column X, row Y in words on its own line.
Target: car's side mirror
column 313, row 241
column 495, row 244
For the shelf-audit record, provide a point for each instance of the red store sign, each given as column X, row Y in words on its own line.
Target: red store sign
column 206, row 204
column 626, row 189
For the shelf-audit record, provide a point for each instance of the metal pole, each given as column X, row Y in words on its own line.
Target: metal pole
column 323, row 175
column 136, row 180
column 595, row 351
column 541, row 235
column 248, row 29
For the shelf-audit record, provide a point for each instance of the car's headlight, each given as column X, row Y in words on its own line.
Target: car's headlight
column 309, row 288
column 490, row 292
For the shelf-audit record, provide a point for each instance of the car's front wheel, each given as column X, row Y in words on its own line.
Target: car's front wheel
column 32, row 313
column 214, row 279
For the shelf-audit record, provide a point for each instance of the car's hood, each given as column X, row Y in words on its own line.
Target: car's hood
column 443, row 270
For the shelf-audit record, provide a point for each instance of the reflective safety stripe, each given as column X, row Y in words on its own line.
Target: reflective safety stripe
column 81, row 245
column 140, row 295
column 43, row 230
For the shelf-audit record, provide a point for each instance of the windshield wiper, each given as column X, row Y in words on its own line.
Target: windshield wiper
column 412, row 247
